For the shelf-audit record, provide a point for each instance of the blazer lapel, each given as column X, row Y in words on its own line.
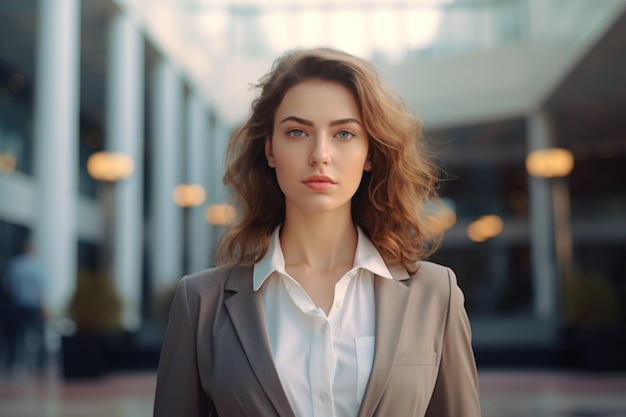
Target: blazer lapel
column 246, row 313
column 392, row 300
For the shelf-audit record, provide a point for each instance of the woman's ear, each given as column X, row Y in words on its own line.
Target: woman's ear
column 268, row 152
column 368, row 166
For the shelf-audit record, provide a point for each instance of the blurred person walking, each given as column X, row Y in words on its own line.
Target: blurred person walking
column 25, row 285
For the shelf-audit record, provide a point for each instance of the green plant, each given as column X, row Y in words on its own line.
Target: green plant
column 590, row 300
column 95, row 305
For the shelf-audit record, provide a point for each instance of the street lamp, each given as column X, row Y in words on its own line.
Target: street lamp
column 440, row 215
column 220, row 214
column 8, row 163
column 550, row 163
column 187, row 196
column 485, row 227
column 556, row 164
column 108, row 168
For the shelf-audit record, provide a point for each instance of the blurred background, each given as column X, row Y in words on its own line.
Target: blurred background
column 114, row 117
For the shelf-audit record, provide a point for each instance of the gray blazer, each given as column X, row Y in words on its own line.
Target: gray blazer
column 216, row 358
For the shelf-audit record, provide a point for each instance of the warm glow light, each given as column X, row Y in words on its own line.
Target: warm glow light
column 550, row 163
column 189, row 195
column 447, row 218
column 220, row 214
column 443, row 217
column 8, row 163
column 492, row 224
column 486, row 227
column 110, row 166
column 475, row 232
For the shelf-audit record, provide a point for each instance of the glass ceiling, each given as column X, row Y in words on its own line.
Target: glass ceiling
column 381, row 30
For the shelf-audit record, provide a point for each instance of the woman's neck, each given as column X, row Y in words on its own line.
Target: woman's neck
column 322, row 241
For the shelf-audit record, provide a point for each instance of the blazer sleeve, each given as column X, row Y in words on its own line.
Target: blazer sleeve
column 456, row 389
column 179, row 390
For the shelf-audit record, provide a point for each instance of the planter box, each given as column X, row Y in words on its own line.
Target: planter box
column 83, row 356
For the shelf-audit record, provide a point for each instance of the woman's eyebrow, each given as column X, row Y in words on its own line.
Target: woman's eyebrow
column 310, row 123
column 344, row 121
column 298, row 120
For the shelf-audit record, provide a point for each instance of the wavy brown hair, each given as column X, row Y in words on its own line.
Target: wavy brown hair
column 391, row 203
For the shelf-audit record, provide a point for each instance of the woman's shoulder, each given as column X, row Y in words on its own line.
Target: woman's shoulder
column 435, row 276
column 437, row 283
column 214, row 278
column 432, row 269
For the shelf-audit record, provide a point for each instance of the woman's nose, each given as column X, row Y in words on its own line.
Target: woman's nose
column 320, row 154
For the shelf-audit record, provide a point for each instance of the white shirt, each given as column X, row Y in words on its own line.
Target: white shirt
column 323, row 362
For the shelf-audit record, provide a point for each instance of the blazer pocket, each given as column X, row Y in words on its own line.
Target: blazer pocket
column 416, row 358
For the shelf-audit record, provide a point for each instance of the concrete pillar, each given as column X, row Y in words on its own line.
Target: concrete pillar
column 541, row 219
column 124, row 129
column 198, row 229
column 56, row 145
column 166, row 217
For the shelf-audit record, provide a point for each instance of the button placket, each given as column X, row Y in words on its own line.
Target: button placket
column 341, row 288
column 320, row 368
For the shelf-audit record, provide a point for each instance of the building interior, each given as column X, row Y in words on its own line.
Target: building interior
column 163, row 83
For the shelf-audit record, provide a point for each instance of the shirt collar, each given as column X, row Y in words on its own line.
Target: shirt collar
column 366, row 257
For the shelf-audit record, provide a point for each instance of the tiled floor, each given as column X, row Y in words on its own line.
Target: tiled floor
column 112, row 396
column 503, row 394
column 552, row 394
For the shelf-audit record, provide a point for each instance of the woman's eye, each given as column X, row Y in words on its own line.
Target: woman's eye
column 296, row 133
column 344, row 134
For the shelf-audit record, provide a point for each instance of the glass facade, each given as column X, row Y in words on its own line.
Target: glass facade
column 484, row 174
column 16, row 120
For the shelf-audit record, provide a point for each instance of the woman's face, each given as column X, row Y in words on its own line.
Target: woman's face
column 318, row 147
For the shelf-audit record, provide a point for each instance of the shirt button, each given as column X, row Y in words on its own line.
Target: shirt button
column 339, row 303
column 324, row 397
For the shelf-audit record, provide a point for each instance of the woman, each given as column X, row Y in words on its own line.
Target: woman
column 322, row 305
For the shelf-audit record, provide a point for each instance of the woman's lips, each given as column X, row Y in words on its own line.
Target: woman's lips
column 319, row 185
column 319, row 182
